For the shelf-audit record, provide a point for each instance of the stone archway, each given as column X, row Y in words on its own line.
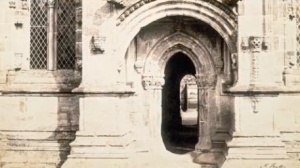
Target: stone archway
column 144, row 12
column 206, row 77
column 178, row 42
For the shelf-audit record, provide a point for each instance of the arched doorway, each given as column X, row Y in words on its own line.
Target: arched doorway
column 171, row 46
column 178, row 138
column 163, row 65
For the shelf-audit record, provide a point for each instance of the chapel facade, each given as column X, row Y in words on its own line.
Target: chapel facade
column 149, row 83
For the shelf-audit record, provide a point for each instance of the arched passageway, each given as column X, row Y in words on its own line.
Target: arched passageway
column 178, row 138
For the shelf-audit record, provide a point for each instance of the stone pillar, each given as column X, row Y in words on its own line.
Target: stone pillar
column 104, row 131
column 51, row 56
column 255, row 141
column 207, row 109
column 153, row 86
column 206, row 83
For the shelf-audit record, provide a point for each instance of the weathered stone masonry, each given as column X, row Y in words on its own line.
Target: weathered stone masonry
column 82, row 82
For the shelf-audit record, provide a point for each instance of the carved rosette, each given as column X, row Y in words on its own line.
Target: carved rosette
column 206, row 80
column 152, row 82
column 255, row 44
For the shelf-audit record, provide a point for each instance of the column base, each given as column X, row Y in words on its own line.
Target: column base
column 212, row 159
column 257, row 150
column 92, row 151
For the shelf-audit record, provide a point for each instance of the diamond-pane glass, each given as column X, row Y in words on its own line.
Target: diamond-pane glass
column 38, row 34
column 298, row 34
column 66, row 34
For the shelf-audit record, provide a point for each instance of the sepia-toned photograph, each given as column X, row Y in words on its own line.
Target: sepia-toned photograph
column 149, row 83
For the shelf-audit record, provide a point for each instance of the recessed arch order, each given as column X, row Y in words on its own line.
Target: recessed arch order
column 166, row 47
column 144, row 12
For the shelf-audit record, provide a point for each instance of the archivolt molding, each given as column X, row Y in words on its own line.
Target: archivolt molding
column 144, row 12
column 141, row 3
column 165, row 48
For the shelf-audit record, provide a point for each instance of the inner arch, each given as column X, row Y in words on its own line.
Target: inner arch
column 178, row 138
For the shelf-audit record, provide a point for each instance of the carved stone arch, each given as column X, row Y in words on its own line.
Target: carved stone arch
column 166, row 47
column 162, row 62
column 144, row 12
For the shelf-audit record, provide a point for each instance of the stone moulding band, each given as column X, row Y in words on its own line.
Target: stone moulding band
column 141, row 3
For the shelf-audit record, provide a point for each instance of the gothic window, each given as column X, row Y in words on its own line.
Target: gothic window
column 52, row 34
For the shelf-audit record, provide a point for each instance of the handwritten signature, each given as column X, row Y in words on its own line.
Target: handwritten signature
column 272, row 165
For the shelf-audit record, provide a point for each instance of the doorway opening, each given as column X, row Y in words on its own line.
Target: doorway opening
column 179, row 102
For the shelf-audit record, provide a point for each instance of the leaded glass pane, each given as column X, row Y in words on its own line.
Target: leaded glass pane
column 38, row 34
column 66, row 34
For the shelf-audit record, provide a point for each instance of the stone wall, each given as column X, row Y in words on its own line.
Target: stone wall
column 36, row 130
column 39, row 109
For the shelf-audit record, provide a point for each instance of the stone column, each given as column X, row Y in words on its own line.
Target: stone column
column 51, row 56
column 153, row 86
column 206, row 83
column 207, row 109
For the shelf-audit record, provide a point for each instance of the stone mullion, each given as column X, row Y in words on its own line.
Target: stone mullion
column 51, row 56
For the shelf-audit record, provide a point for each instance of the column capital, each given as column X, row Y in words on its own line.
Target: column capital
column 206, row 80
column 152, row 82
column 51, row 3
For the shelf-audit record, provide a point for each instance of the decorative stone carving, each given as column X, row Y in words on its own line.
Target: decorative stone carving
column 265, row 43
column 127, row 12
column 24, row 5
column 97, row 45
column 119, row 3
column 290, row 12
column 138, row 65
column 254, row 102
column 254, row 69
column 18, row 24
column 255, row 43
column 152, row 82
column 51, row 3
column 230, row 2
column 234, row 66
column 245, row 43
column 141, row 3
column 206, row 80
column 12, row 4
column 78, row 65
column 179, row 24
column 120, row 66
column 218, row 63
